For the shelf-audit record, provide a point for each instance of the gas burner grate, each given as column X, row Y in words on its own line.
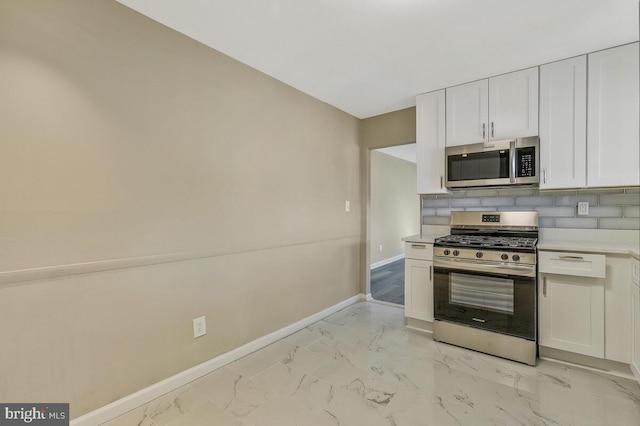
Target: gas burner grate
column 488, row 241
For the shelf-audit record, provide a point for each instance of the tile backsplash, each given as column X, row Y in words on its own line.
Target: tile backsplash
column 617, row 208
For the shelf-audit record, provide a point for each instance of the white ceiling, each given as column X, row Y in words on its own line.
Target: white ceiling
column 404, row 152
column 369, row 57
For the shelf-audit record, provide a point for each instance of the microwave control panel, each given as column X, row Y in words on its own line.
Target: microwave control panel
column 526, row 162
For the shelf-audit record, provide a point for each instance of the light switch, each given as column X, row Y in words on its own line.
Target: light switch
column 199, row 327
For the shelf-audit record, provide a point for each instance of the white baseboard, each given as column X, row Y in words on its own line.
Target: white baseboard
column 382, row 302
column 613, row 368
column 421, row 326
column 636, row 373
column 143, row 396
column 387, row 261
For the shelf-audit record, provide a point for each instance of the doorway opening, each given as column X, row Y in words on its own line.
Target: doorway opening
column 394, row 214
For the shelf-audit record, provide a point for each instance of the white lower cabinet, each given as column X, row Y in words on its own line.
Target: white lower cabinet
column 584, row 308
column 571, row 300
column 572, row 314
column 617, row 312
column 635, row 318
column 418, row 281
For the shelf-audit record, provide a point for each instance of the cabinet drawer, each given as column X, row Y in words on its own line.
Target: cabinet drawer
column 420, row 251
column 635, row 271
column 576, row 264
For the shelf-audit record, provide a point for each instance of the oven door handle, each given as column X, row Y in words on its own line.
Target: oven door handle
column 495, row 268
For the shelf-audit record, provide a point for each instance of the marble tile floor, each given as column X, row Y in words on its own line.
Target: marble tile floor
column 361, row 366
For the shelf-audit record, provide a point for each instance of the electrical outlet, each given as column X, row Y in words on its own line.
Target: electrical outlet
column 380, row 248
column 583, row 208
column 347, row 206
column 199, row 327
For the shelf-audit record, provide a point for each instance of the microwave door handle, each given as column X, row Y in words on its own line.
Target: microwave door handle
column 512, row 160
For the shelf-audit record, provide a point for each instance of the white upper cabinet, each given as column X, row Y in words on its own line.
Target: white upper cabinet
column 467, row 113
column 513, row 105
column 501, row 107
column 612, row 130
column 563, row 124
column 588, row 126
column 430, row 142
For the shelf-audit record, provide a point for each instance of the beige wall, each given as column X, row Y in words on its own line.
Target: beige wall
column 394, row 128
column 395, row 205
column 121, row 139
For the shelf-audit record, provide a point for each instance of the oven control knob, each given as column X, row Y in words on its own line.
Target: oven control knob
column 505, row 256
column 516, row 257
column 456, row 252
column 479, row 254
column 446, row 252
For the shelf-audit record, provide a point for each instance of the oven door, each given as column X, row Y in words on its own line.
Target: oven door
column 500, row 300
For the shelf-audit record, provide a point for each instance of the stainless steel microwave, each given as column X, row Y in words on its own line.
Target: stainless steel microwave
column 495, row 163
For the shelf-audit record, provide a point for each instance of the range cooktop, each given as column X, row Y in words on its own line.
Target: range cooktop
column 487, row 241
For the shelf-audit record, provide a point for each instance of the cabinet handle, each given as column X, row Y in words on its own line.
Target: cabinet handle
column 492, row 129
column 512, row 161
column 431, row 273
column 544, row 286
column 483, row 133
column 418, row 246
column 572, row 258
column 441, row 182
column 544, row 175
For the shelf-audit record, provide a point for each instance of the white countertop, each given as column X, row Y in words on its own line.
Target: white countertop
column 428, row 234
column 591, row 241
column 424, row 239
column 591, row 246
column 586, row 241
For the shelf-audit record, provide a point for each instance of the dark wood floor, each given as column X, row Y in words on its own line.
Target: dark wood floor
column 387, row 282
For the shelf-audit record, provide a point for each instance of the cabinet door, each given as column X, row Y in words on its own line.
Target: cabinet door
column 617, row 316
column 563, row 124
column 572, row 314
column 635, row 318
column 513, row 105
column 612, row 132
column 467, row 112
column 635, row 331
column 418, row 289
column 430, row 142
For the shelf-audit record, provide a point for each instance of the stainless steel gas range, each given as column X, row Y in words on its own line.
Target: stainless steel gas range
column 485, row 284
